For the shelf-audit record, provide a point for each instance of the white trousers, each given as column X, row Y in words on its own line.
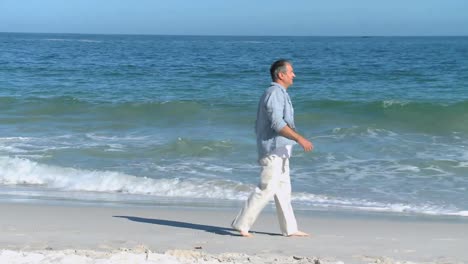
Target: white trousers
column 274, row 182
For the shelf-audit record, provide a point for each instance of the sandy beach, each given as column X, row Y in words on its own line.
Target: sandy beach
column 140, row 148
column 39, row 233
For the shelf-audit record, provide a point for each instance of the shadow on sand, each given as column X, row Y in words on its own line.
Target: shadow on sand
column 211, row 229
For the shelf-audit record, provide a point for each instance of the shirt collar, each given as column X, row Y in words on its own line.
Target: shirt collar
column 277, row 84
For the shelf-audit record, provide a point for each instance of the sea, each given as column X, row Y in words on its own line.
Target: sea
column 147, row 120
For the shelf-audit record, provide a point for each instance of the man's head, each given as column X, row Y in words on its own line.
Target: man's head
column 282, row 72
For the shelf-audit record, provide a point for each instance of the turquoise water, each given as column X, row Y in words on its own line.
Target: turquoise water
column 169, row 119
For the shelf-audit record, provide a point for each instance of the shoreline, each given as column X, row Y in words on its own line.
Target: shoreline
column 197, row 231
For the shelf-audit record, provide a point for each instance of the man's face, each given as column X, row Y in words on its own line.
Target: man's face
column 288, row 76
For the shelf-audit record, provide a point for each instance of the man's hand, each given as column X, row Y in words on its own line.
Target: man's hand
column 306, row 144
column 291, row 134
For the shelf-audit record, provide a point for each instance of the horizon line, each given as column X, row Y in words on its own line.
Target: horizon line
column 223, row 35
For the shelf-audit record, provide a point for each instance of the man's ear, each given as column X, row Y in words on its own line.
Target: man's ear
column 280, row 75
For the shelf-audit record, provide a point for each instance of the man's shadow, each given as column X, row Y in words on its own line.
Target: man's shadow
column 211, row 229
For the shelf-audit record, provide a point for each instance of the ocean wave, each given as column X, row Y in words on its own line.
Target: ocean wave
column 24, row 109
column 321, row 201
column 361, row 105
column 102, row 145
column 394, row 115
column 376, row 116
column 18, row 171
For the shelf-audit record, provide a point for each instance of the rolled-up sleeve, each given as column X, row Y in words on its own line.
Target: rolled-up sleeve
column 274, row 104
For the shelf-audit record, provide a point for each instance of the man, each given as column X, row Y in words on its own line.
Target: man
column 276, row 135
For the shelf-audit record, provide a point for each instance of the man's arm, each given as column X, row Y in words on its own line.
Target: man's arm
column 288, row 132
column 274, row 105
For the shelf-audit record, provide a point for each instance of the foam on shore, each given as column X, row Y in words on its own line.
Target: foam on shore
column 104, row 185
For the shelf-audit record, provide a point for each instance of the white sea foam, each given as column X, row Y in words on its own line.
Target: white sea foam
column 15, row 139
column 24, row 145
column 18, row 171
column 371, row 132
column 437, row 169
column 11, row 144
column 363, row 205
column 10, row 149
column 388, row 103
column 462, row 213
column 409, row 168
column 32, row 146
column 462, row 164
column 115, row 138
column 23, row 171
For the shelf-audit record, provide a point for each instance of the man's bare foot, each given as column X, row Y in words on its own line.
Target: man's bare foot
column 245, row 234
column 299, row 234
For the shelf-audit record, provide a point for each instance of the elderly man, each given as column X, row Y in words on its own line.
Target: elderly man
column 276, row 135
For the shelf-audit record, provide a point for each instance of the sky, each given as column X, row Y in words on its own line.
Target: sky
column 238, row 17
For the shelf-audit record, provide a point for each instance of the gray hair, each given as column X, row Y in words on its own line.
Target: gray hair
column 277, row 67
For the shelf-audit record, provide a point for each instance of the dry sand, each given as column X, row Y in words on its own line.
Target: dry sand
column 38, row 233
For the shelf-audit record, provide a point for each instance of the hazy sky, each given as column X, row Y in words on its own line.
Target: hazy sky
column 237, row 17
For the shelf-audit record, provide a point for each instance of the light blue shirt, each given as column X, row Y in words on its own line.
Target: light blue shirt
column 275, row 111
